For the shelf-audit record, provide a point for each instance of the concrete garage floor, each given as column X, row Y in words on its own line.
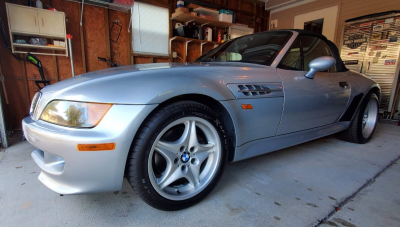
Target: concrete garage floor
column 298, row 186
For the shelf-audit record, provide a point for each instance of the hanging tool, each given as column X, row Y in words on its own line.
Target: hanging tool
column 36, row 62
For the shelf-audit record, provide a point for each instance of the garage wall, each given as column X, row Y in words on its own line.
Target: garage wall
column 347, row 9
column 91, row 41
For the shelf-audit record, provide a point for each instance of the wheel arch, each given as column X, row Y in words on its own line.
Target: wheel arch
column 357, row 100
column 221, row 111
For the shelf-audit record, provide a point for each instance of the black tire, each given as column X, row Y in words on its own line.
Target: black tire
column 137, row 169
column 354, row 132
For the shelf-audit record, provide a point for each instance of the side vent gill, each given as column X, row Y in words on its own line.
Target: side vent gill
column 256, row 90
column 253, row 90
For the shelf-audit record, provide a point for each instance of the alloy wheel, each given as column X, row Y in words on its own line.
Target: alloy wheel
column 184, row 158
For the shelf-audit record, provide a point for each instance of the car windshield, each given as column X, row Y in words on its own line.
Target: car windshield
column 260, row 48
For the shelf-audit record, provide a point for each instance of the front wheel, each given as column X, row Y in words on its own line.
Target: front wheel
column 364, row 123
column 177, row 156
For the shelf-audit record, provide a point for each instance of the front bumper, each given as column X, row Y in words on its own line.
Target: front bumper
column 66, row 170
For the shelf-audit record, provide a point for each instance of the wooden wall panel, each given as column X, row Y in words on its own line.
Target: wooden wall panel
column 193, row 51
column 118, row 49
column 142, row 60
column 32, row 71
column 73, row 27
column 18, row 108
column 95, row 38
column 178, row 47
column 161, row 60
column 247, row 7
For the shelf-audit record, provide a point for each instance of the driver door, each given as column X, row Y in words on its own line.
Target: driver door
column 310, row 103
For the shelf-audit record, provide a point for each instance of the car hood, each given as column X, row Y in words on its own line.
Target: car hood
column 153, row 83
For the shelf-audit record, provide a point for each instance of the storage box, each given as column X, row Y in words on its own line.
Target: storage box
column 206, row 13
column 226, row 15
column 182, row 9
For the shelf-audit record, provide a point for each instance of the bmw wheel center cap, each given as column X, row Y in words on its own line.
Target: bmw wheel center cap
column 185, row 157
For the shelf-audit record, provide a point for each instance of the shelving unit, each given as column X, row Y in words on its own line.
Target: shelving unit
column 27, row 22
column 38, row 46
column 188, row 18
column 30, row 46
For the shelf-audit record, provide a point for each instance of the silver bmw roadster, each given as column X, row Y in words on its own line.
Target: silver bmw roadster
column 170, row 128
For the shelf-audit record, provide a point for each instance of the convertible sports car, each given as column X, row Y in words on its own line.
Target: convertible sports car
column 170, row 129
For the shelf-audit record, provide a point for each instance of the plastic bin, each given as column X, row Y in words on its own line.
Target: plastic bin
column 226, row 15
column 207, row 13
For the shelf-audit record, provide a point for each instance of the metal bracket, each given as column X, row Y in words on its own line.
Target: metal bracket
column 186, row 48
column 187, row 22
column 201, row 48
column 170, row 44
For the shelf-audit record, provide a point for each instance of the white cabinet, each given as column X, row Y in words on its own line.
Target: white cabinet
column 51, row 23
column 32, row 22
column 22, row 19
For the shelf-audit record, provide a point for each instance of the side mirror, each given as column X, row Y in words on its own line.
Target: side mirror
column 320, row 64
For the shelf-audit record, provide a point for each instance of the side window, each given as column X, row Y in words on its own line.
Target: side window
column 292, row 59
column 314, row 47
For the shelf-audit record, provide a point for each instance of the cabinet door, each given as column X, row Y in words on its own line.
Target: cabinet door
column 51, row 23
column 23, row 19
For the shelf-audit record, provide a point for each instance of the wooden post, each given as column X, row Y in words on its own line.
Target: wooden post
column 55, row 66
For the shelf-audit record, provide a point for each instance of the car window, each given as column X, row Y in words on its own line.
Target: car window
column 314, row 47
column 260, row 48
column 292, row 59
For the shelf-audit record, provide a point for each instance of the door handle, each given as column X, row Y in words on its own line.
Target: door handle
column 35, row 20
column 343, row 84
column 42, row 22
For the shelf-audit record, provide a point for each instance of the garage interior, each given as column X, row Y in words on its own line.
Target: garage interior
column 101, row 34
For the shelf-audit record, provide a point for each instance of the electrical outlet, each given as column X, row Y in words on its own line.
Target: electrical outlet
column 174, row 54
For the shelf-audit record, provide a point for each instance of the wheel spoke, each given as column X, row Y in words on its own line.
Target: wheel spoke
column 192, row 175
column 203, row 152
column 168, row 150
column 171, row 174
column 193, row 142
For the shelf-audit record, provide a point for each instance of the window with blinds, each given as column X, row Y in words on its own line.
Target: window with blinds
column 150, row 29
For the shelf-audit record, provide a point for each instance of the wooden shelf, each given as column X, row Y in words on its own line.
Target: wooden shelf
column 38, row 46
column 184, row 39
column 184, row 18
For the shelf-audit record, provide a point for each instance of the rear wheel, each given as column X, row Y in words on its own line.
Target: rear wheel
column 178, row 156
column 364, row 123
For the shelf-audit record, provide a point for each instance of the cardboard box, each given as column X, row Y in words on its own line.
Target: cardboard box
column 182, row 9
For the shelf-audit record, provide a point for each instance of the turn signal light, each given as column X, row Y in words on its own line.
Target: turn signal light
column 96, row 147
column 247, row 106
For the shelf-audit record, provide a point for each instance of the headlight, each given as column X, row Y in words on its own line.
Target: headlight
column 75, row 114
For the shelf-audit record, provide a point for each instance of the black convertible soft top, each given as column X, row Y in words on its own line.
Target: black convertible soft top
column 340, row 67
